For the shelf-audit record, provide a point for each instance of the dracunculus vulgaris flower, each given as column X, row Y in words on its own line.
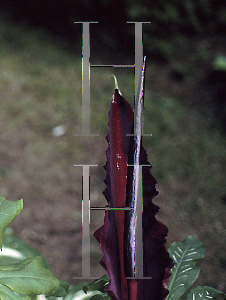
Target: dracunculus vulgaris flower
column 113, row 235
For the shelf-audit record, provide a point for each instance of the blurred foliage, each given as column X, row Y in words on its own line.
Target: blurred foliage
column 172, row 20
column 174, row 16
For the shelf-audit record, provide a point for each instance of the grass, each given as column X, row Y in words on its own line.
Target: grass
column 40, row 88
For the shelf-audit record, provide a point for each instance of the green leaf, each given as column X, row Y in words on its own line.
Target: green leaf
column 185, row 271
column 7, row 294
column 80, row 295
column 8, row 211
column 92, row 291
column 104, row 296
column 77, row 292
column 205, row 292
column 14, row 249
column 32, row 276
column 98, row 284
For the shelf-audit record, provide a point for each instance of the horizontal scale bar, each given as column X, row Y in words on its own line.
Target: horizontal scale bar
column 109, row 208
